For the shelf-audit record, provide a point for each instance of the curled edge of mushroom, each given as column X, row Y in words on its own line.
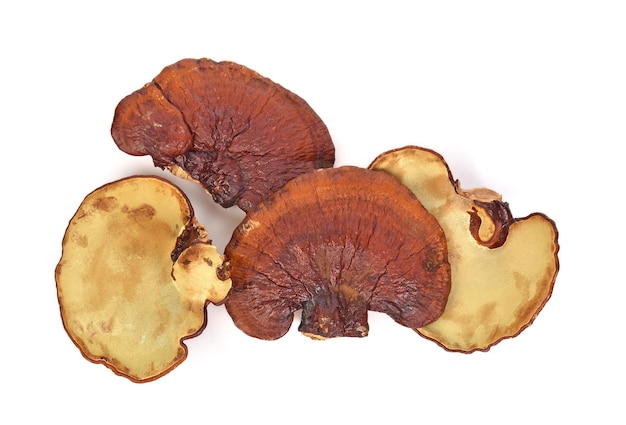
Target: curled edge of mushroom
column 503, row 268
column 336, row 243
column 135, row 275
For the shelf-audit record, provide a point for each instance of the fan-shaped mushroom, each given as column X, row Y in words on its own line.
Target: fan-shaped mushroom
column 135, row 276
column 240, row 135
column 337, row 243
column 503, row 268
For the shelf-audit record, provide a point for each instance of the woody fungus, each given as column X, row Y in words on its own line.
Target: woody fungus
column 336, row 243
column 503, row 268
column 135, row 275
column 237, row 133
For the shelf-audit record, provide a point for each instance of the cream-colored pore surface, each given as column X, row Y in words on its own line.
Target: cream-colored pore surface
column 495, row 292
column 118, row 298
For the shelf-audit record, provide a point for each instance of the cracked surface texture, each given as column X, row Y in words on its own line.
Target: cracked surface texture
column 337, row 243
column 238, row 134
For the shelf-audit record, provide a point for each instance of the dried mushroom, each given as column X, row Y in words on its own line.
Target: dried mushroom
column 238, row 134
column 503, row 268
column 135, row 276
column 336, row 243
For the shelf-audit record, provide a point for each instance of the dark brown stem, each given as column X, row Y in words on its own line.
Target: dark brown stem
column 502, row 218
column 333, row 312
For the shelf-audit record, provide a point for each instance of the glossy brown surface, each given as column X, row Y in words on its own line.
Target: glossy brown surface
column 240, row 135
column 337, row 243
column 503, row 268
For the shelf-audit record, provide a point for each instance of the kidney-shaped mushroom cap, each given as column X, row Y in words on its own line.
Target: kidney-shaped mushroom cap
column 503, row 268
column 135, row 276
column 240, row 135
column 337, row 243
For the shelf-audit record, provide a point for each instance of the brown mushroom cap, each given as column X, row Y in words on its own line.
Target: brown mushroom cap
column 240, row 135
column 503, row 268
column 135, row 276
column 336, row 243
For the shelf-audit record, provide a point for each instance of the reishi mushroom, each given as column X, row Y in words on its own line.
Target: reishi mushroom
column 401, row 237
column 503, row 268
column 135, row 275
column 336, row 243
column 238, row 134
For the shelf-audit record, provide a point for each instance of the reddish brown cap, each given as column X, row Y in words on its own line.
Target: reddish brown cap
column 240, row 135
column 336, row 243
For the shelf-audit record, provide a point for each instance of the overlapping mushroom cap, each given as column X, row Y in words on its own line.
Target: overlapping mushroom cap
column 240, row 135
column 337, row 243
column 503, row 268
column 135, row 275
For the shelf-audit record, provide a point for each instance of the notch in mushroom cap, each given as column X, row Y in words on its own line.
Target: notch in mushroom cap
column 337, row 243
column 135, row 276
column 503, row 268
column 238, row 134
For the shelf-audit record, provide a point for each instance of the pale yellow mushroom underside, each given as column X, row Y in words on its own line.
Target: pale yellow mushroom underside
column 123, row 302
column 496, row 292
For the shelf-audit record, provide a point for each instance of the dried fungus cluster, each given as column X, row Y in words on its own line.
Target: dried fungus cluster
column 400, row 237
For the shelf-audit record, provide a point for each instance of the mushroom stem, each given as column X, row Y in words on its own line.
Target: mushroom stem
column 497, row 216
column 334, row 311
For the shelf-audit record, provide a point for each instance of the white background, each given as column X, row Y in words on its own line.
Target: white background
column 527, row 98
